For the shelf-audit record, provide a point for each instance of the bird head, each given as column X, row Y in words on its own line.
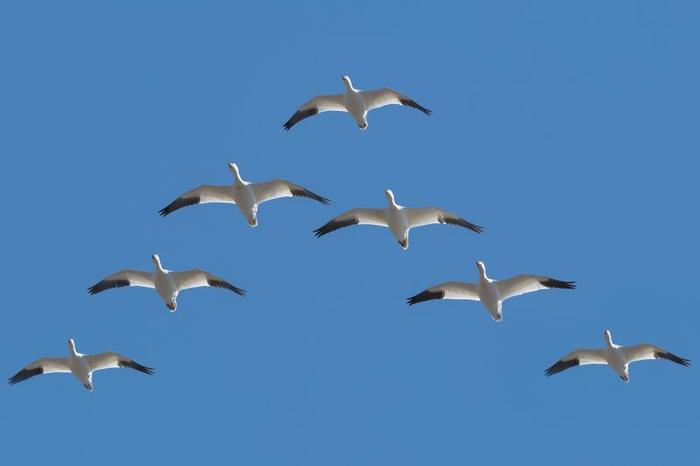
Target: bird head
column 156, row 260
column 236, row 172
column 346, row 81
column 608, row 336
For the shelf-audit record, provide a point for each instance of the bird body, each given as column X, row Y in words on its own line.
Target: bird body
column 81, row 366
column 167, row 283
column 489, row 296
column 245, row 195
column 490, row 292
column 354, row 101
column 617, row 357
column 355, row 104
column 397, row 218
column 397, row 221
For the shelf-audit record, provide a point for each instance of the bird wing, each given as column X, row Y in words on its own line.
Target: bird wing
column 110, row 360
column 319, row 104
column 522, row 284
column 382, row 97
column 434, row 215
column 276, row 189
column 204, row 194
column 447, row 290
column 40, row 366
column 579, row 357
column 126, row 277
column 646, row 351
column 198, row 278
column 359, row 216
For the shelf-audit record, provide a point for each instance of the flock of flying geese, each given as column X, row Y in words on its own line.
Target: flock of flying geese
column 398, row 219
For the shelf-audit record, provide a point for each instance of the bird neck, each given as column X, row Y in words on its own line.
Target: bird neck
column 236, row 173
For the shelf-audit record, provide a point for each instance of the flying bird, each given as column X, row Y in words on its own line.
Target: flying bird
column 80, row 365
column 354, row 101
column 617, row 357
column 245, row 195
column 397, row 218
column 490, row 292
column 166, row 282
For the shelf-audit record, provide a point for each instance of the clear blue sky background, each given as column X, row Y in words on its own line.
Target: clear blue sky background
column 568, row 129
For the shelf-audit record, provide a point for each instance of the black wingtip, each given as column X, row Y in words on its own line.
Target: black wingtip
column 673, row 358
column 335, row 225
column 179, row 203
column 554, row 283
column 303, row 192
column 413, row 104
column 24, row 374
column 459, row 221
column 561, row 366
column 316, row 197
column 136, row 366
column 298, row 116
column 106, row 285
column 423, row 296
column 226, row 285
column 322, row 200
column 477, row 229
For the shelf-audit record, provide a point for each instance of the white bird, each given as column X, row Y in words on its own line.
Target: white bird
column 245, row 195
column 166, row 282
column 490, row 292
column 617, row 357
column 397, row 218
column 80, row 365
column 353, row 101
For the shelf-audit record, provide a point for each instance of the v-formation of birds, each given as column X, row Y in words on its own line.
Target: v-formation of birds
column 399, row 220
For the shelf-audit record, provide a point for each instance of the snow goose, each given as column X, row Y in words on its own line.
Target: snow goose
column 166, row 282
column 245, row 195
column 617, row 357
column 490, row 292
column 80, row 365
column 397, row 218
column 353, row 101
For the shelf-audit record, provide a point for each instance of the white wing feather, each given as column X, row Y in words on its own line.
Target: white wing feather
column 326, row 103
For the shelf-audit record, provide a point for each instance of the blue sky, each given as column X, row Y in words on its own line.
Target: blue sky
column 567, row 129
